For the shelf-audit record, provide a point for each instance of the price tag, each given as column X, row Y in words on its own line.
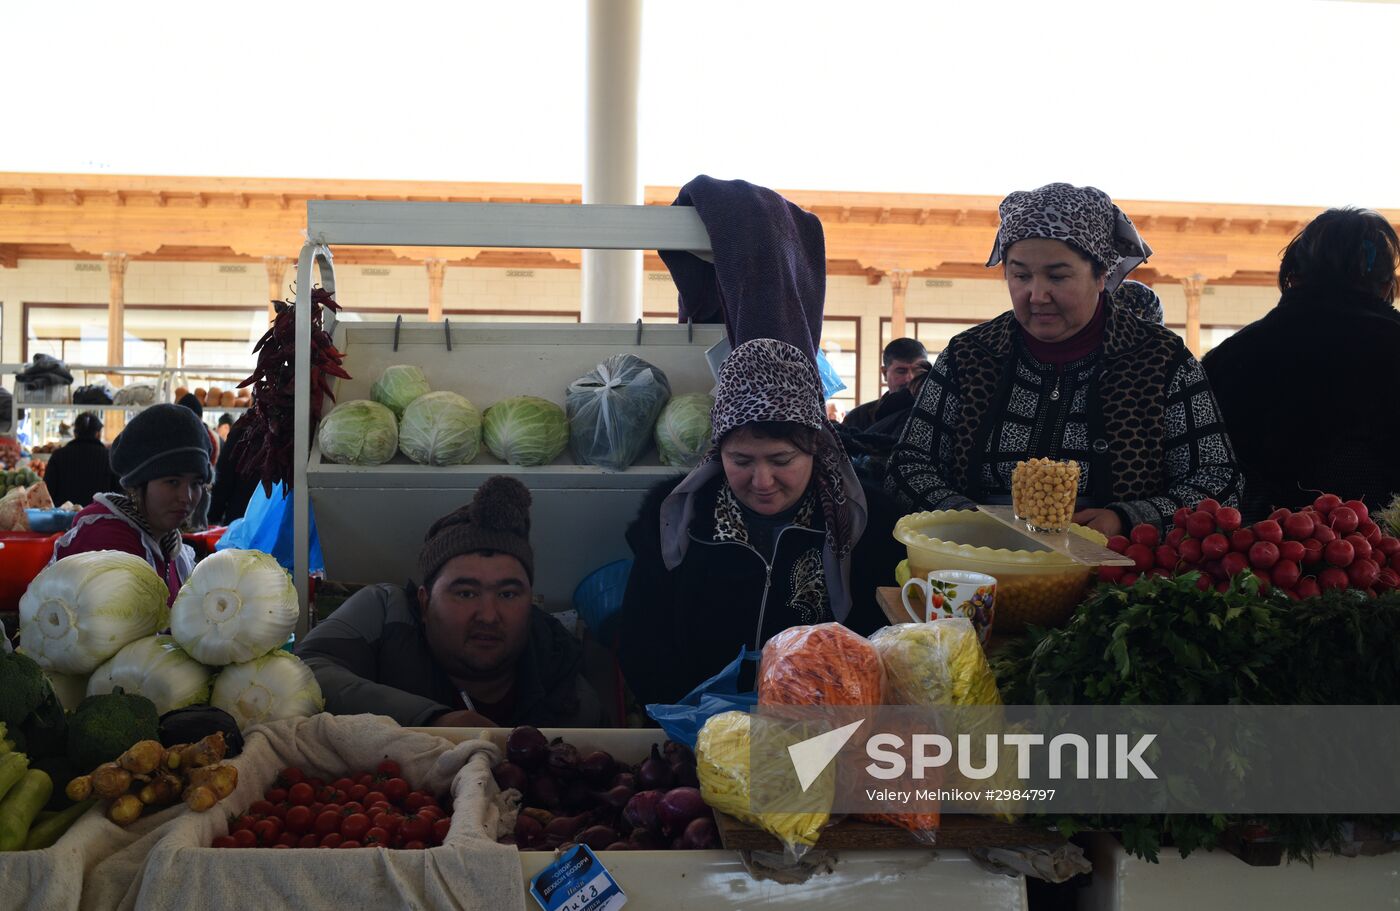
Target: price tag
column 578, row 881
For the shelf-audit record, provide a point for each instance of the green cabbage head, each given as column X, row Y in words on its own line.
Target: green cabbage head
column 359, row 433
column 525, row 430
column 440, row 428
column 398, row 386
column 683, row 429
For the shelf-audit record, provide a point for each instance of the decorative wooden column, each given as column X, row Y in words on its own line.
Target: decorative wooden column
column 1193, row 285
column 437, row 270
column 899, row 291
column 276, row 274
column 116, row 309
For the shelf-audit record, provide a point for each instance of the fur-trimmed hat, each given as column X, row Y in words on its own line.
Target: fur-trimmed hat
column 497, row 519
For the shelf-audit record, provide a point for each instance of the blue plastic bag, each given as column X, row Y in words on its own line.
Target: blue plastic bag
column 831, row 380
column 267, row 526
column 682, row 722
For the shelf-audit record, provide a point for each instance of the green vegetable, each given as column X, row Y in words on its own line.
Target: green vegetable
column 48, row 831
column 398, row 386
column 21, row 688
column 104, row 726
column 12, row 769
column 156, row 668
column 525, row 430
column 359, row 433
column 46, row 729
column 274, row 686
column 235, row 606
column 20, row 806
column 683, row 429
column 82, row 609
column 440, row 428
column 6, row 744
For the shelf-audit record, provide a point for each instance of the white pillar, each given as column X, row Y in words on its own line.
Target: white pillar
column 612, row 279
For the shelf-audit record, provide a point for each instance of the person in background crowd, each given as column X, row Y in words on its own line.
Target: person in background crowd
column 225, row 425
column 771, row 530
column 466, row 647
column 232, row 491
column 1068, row 375
column 162, row 463
column 199, row 519
column 1139, row 300
column 81, row 468
column 1307, row 391
column 899, row 362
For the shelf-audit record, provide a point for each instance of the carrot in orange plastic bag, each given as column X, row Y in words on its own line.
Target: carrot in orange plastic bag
column 826, row 664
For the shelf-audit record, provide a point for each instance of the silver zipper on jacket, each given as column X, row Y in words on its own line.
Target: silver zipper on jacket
column 767, row 573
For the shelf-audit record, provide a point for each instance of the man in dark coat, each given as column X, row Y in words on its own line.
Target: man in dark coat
column 899, row 366
column 81, row 468
column 466, row 648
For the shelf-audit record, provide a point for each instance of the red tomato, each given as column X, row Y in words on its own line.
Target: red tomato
column 1356, row 506
column 389, row 769
column 414, row 846
column 1146, row 535
column 276, row 795
column 1298, row 527
column 1234, row 563
column 1268, row 530
column 1118, row 544
column 244, row 838
column 281, row 847
column 325, row 793
column 416, row 828
column 387, row 821
column 331, row 840
column 267, row 830
column 1292, row 550
column 357, row 792
column 299, row 819
column 1228, row 518
column 301, row 794
column 342, row 784
column 366, row 779
column 1166, row 557
column 1363, row 573
column 1344, row 520
column 1209, row 506
column 374, row 797
column 440, row 830
column 279, row 811
column 1286, row 573
column 1179, row 518
column 223, row 841
column 259, row 809
column 327, row 822
column 316, row 783
column 415, row 800
column 376, row 836
column 354, row 826
column 242, row 822
column 1308, row 587
column 396, row 789
column 1263, row 554
column 382, row 806
column 1200, row 524
column 1327, row 502
column 288, row 840
column 1360, row 545
column 1339, row 553
column 1241, row 540
column 309, row 840
column 1215, row 546
column 350, row 844
column 351, row 807
column 432, row 810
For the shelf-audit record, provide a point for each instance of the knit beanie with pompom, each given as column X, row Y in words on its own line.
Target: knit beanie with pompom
column 497, row 519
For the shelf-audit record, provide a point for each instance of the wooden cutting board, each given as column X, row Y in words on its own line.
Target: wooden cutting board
column 1080, row 550
column 851, row 834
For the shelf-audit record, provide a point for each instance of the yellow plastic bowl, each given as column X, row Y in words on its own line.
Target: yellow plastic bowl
column 1035, row 585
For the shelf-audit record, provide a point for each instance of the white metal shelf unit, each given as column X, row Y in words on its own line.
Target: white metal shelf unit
column 328, row 222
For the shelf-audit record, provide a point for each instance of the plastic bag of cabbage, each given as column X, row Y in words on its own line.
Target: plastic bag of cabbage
column 398, row 386
column 360, row 432
column 612, row 410
column 525, row 430
column 683, row 430
column 440, row 428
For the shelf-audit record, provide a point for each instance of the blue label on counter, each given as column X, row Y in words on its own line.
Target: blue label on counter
column 577, row 881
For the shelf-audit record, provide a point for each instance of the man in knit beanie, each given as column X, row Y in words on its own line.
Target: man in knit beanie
column 465, row 646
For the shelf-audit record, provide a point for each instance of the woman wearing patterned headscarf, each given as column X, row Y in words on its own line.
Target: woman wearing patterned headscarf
column 1071, row 372
column 772, row 529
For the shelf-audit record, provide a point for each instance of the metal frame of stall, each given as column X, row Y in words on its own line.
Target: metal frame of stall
column 437, row 224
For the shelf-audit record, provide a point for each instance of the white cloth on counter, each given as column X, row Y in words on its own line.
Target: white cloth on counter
column 469, row 872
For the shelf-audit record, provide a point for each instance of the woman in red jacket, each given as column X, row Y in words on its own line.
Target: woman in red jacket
column 162, row 462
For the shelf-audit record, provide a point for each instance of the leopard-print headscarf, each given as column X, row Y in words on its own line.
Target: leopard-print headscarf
column 1139, row 300
column 768, row 380
column 1083, row 217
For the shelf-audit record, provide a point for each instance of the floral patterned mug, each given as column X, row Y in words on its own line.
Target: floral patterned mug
column 954, row 593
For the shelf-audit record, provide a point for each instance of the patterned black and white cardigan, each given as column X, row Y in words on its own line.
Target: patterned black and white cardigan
column 1137, row 415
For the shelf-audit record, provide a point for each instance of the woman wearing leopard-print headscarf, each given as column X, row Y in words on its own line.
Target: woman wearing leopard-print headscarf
column 1070, row 372
column 771, row 530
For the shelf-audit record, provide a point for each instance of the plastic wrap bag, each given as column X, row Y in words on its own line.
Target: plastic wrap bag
column 826, row 664
column 726, row 784
column 136, row 394
column 613, row 409
column 939, row 663
column 682, row 722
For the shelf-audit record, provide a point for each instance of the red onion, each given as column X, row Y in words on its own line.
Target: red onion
column 678, row 808
column 596, row 768
column 700, row 834
column 597, row 837
column 640, row 812
column 527, row 748
column 509, row 775
column 654, row 774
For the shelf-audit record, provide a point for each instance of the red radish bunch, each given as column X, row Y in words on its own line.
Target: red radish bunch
column 1330, row 544
column 375, row 809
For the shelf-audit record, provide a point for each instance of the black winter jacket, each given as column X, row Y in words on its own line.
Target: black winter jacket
column 79, row 469
column 681, row 626
column 1307, row 393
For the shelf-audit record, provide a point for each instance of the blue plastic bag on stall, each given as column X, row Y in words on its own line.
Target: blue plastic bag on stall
column 831, row 380
column 267, row 526
column 682, row 722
